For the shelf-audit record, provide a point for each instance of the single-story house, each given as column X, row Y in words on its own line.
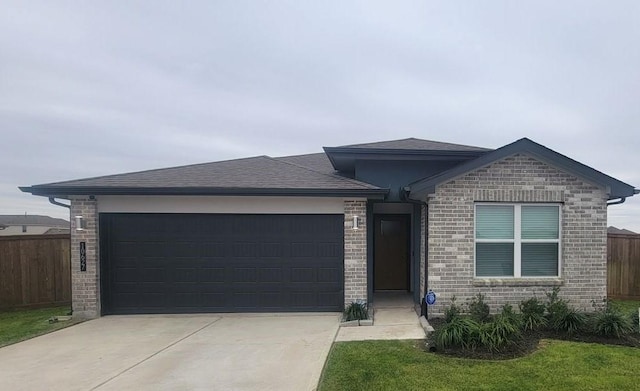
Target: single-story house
column 31, row 225
column 315, row 232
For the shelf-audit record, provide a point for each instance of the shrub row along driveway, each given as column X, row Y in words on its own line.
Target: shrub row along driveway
column 195, row 352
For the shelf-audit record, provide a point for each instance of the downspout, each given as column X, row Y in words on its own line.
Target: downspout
column 54, row 202
column 404, row 196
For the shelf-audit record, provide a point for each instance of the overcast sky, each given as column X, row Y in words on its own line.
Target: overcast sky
column 105, row 87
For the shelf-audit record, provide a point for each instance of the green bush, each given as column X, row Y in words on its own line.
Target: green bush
column 453, row 311
column 478, row 309
column 611, row 323
column 356, row 311
column 507, row 312
column 634, row 321
column 456, row 332
column 532, row 314
column 568, row 320
column 494, row 335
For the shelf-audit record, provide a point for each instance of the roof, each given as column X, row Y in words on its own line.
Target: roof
column 344, row 158
column 58, row 231
column 315, row 161
column 32, row 220
column 415, row 144
column 260, row 175
column 617, row 231
column 616, row 189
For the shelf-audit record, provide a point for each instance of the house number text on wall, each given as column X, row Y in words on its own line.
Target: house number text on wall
column 83, row 257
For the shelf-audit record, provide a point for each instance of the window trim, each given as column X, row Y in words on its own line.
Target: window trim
column 517, row 239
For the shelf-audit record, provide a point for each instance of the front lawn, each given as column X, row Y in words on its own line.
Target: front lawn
column 626, row 306
column 404, row 365
column 18, row 325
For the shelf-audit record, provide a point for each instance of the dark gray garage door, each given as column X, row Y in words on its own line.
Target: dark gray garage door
column 181, row 263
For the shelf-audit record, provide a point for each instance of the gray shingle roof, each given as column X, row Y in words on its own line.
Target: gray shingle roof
column 260, row 172
column 415, row 144
column 618, row 231
column 315, row 161
column 32, row 220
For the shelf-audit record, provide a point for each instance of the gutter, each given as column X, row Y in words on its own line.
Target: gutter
column 621, row 200
column 54, row 202
column 62, row 191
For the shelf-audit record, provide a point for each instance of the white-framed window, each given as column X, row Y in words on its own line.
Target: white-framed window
column 517, row 240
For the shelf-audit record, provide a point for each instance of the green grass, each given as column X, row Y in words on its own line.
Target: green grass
column 403, row 365
column 627, row 306
column 18, row 325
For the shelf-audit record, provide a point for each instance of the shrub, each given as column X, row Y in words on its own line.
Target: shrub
column 356, row 311
column 532, row 314
column 561, row 317
column 555, row 305
column 634, row 321
column 495, row 334
column 478, row 309
column 568, row 320
column 456, row 332
column 507, row 312
column 611, row 323
column 453, row 311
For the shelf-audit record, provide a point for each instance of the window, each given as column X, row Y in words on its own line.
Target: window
column 518, row 240
column 24, row 228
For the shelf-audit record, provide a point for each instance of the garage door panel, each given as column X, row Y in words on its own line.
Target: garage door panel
column 160, row 263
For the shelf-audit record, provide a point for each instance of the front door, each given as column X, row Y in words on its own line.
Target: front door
column 391, row 252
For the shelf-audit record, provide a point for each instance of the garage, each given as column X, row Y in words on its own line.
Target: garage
column 187, row 263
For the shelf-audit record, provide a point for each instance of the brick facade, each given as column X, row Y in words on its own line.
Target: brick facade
column 518, row 179
column 355, row 252
column 85, row 285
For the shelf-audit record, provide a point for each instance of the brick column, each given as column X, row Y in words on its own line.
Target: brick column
column 85, row 285
column 355, row 252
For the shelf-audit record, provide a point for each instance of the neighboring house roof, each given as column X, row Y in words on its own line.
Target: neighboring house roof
column 32, row 220
column 616, row 189
column 58, row 231
column 414, row 144
column 618, row 231
column 260, row 175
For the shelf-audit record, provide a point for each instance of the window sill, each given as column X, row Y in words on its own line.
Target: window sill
column 552, row 281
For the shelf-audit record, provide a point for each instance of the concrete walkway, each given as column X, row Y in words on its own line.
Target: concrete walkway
column 394, row 318
column 175, row 352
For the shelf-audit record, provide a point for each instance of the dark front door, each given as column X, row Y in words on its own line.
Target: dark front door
column 180, row 263
column 391, row 252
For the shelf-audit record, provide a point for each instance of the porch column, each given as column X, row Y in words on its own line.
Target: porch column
column 355, row 251
column 85, row 268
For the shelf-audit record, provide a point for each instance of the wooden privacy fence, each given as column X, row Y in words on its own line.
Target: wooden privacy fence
column 35, row 270
column 623, row 266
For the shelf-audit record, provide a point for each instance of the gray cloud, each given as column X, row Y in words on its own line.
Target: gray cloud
column 96, row 88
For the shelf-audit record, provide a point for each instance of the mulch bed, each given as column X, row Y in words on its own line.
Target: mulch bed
column 526, row 344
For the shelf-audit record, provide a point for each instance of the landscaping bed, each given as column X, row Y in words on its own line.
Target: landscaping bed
column 470, row 331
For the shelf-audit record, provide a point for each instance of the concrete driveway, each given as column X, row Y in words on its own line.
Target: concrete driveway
column 175, row 352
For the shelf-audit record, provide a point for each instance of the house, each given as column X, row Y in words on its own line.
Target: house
column 31, row 225
column 315, row 232
column 617, row 231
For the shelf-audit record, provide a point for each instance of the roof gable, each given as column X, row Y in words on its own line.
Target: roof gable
column 615, row 188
